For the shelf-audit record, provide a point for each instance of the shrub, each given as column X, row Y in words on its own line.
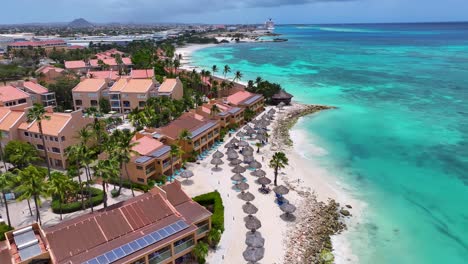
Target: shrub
column 97, row 197
column 214, row 203
column 127, row 184
column 115, row 193
column 3, row 229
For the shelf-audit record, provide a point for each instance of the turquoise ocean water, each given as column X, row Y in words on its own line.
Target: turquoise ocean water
column 400, row 135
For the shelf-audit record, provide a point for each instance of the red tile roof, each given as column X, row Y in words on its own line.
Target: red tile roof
column 113, row 75
column 45, row 69
column 238, row 97
column 10, row 93
column 75, row 64
column 35, row 88
column 189, row 121
column 145, row 145
column 52, row 126
column 142, row 74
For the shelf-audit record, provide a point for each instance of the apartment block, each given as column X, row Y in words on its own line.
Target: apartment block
column 160, row 226
column 11, row 96
column 247, row 100
column 128, row 94
column 89, row 91
column 226, row 114
column 38, row 93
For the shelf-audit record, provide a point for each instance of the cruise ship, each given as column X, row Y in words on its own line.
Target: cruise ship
column 270, row 25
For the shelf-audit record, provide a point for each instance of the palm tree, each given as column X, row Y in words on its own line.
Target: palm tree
column 237, row 76
column 73, row 154
column 106, row 170
column 5, row 185
column 58, row 186
column 200, row 251
column 176, row 151
column 1, row 152
column 277, row 162
column 258, row 80
column 124, row 151
column 213, row 237
column 184, row 135
column 223, row 86
column 214, row 69
column 214, row 110
column 258, row 145
column 33, row 185
column 226, row 70
column 37, row 113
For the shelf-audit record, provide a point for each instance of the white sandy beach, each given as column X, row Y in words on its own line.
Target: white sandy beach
column 301, row 173
column 186, row 52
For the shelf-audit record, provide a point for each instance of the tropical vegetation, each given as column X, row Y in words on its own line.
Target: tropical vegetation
column 277, row 162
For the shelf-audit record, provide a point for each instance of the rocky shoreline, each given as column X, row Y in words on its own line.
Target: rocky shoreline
column 309, row 237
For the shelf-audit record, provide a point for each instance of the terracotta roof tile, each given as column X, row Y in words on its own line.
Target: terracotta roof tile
column 145, row 145
column 7, row 121
column 113, row 75
column 167, row 86
column 10, row 93
column 52, row 127
column 238, row 97
column 90, row 85
column 35, row 87
column 142, row 74
column 75, row 64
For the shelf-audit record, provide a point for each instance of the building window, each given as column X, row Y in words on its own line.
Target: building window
column 35, row 135
column 140, row 180
column 78, row 102
column 92, row 95
column 56, row 139
column 141, row 103
column 40, row 147
column 126, row 103
column 139, row 167
column 21, row 101
column 26, row 134
column 56, row 150
column 94, row 102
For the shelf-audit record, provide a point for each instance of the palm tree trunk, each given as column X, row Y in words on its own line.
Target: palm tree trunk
column 39, row 124
column 128, row 177
column 61, row 215
column 6, row 209
column 88, row 176
column 1, row 157
column 172, row 167
column 81, row 188
column 29, row 206
column 121, row 178
column 38, row 214
column 276, row 176
column 105, row 193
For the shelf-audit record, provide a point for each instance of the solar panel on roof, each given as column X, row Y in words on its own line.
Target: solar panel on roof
column 110, row 256
column 142, row 159
column 119, row 252
column 234, row 110
column 202, row 129
column 102, row 259
column 30, row 251
column 161, row 151
column 129, row 248
column 252, row 99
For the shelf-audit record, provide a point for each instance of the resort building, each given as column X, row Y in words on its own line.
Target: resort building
column 38, row 93
column 48, row 45
column 49, row 73
column 111, row 63
column 152, row 161
column 281, row 97
column 172, row 88
column 10, row 119
column 247, row 100
column 59, row 131
column 128, row 94
column 111, row 75
column 203, row 133
column 10, row 96
column 228, row 116
column 89, row 91
column 142, row 74
column 78, row 66
column 160, row 226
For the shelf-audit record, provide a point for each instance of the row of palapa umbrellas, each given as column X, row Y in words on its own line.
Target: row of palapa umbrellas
column 255, row 242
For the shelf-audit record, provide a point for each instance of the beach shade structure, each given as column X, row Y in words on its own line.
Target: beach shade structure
column 249, row 209
column 232, row 155
column 235, row 162
column 281, row 190
column 216, row 162
column 248, row 159
column 260, row 137
column 253, row 255
column 281, row 105
column 229, row 145
column 272, row 111
column 252, row 223
column 247, row 196
column 254, row 241
column 247, row 152
column 249, row 148
column 258, row 173
column 288, row 208
column 218, row 154
column 186, row 174
column 255, row 165
column 243, row 143
column 241, row 134
column 264, row 181
column 234, row 140
column 238, row 169
column 242, row 186
column 237, row 177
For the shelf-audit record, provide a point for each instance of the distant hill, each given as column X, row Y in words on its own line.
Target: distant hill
column 80, row 23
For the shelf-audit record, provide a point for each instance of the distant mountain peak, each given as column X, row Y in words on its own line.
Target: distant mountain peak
column 80, row 23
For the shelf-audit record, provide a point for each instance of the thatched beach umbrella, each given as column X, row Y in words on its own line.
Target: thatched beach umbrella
column 255, row 164
column 232, row 155
column 254, row 241
column 242, row 186
column 259, row 173
column 218, row 154
column 281, row 105
column 281, row 190
column 252, row 223
column 260, row 137
column 247, row 152
column 272, row 111
column 243, row 143
column 249, row 209
column 253, row 255
column 288, row 208
column 235, row 162
column 186, row 174
column 241, row 134
column 238, row 169
column 264, row 181
column 248, row 159
column 247, row 197
column 237, row 177
column 229, row 145
column 216, row 162
column 234, row 141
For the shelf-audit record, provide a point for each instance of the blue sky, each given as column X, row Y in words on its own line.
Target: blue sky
column 237, row 11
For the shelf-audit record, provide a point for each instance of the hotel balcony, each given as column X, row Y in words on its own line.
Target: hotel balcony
column 160, row 257
column 183, row 246
column 203, row 229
